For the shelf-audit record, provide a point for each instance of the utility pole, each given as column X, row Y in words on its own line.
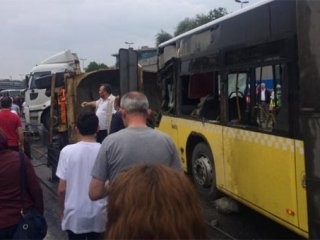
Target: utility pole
column 129, row 44
column 241, row 2
column 83, row 60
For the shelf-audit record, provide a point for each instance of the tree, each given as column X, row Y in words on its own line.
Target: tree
column 162, row 36
column 200, row 19
column 217, row 13
column 95, row 66
column 185, row 25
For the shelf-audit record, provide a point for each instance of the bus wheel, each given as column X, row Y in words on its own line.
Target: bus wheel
column 203, row 172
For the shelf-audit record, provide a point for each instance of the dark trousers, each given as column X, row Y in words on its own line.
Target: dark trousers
column 14, row 148
column 7, row 233
column 101, row 135
column 84, row 236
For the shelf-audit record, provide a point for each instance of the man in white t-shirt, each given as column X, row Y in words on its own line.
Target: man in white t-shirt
column 81, row 217
column 104, row 110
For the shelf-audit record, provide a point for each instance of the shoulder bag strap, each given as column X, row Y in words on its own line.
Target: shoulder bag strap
column 22, row 180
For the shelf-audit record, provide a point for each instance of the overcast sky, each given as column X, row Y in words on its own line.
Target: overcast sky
column 32, row 30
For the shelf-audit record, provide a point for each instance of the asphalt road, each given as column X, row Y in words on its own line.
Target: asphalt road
column 39, row 161
column 243, row 224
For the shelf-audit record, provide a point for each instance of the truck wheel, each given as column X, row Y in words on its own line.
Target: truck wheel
column 203, row 172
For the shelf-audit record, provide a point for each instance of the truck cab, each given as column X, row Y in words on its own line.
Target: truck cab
column 38, row 101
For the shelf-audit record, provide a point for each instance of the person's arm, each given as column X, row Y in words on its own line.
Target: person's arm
column 61, row 195
column 21, row 137
column 98, row 189
column 19, row 131
column 99, row 184
column 62, row 174
column 89, row 104
column 33, row 185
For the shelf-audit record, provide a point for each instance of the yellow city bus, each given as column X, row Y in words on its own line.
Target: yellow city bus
column 230, row 139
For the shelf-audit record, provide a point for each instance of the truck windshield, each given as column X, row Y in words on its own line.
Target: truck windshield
column 35, row 76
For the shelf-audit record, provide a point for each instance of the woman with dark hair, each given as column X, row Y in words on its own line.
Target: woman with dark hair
column 154, row 202
column 10, row 203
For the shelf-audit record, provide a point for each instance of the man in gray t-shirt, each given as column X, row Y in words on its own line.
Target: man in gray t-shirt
column 137, row 144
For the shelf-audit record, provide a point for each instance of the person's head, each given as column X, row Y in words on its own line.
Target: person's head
column 154, row 202
column 16, row 99
column 134, row 104
column 6, row 102
column 263, row 86
column 3, row 140
column 87, row 124
column 104, row 90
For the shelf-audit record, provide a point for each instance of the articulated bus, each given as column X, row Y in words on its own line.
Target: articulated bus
column 229, row 140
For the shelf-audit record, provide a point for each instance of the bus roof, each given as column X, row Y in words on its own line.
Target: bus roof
column 205, row 26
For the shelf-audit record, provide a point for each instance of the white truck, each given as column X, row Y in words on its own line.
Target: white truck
column 37, row 101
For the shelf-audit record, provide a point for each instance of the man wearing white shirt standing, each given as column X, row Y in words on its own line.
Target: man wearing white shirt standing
column 104, row 109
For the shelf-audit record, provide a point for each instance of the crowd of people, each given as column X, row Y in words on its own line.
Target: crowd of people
column 122, row 179
column 17, row 104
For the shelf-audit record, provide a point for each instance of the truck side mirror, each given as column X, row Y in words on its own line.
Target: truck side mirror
column 26, row 81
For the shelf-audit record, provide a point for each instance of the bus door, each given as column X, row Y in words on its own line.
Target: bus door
column 259, row 154
column 236, row 96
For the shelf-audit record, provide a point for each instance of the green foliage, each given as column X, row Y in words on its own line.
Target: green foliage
column 200, row 19
column 185, row 25
column 217, row 13
column 162, row 36
column 93, row 66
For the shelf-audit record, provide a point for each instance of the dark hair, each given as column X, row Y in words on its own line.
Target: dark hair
column 3, row 140
column 107, row 87
column 87, row 123
column 6, row 102
column 154, row 202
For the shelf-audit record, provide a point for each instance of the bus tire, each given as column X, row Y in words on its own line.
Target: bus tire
column 203, row 172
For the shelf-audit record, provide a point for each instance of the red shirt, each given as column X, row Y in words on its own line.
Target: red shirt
column 10, row 204
column 9, row 122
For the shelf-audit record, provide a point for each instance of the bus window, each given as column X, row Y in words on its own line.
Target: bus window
column 168, row 95
column 268, row 95
column 200, row 96
column 275, row 101
column 237, row 87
